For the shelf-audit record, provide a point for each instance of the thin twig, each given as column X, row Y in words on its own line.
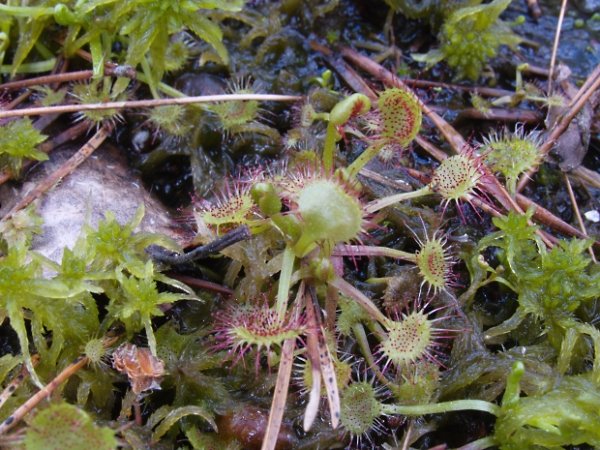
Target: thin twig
column 17, row 101
column 381, row 179
column 503, row 115
column 561, row 16
column 234, row 236
column 33, row 401
column 586, row 84
column 577, row 213
column 542, row 215
column 147, row 103
column 69, row 166
column 282, row 383
column 343, row 69
column 582, row 96
column 47, row 79
column 407, row 435
column 202, row 284
column 60, row 78
column 14, row 384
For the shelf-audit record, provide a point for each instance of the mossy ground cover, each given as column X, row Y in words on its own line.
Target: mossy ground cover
column 369, row 266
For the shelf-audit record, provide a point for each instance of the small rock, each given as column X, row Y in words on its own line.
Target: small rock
column 102, row 183
column 592, row 216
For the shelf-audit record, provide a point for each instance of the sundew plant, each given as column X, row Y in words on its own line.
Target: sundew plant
column 338, row 273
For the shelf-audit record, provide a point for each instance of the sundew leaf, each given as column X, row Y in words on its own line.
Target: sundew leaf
column 66, row 427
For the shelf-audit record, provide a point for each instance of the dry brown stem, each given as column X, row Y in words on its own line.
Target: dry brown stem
column 131, row 104
column 561, row 16
column 47, row 79
column 202, row 284
column 282, row 385
column 33, row 401
column 65, row 169
column 577, row 213
column 501, row 115
column 583, row 95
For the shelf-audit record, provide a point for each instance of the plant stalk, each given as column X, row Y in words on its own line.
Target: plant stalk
column 381, row 203
column 435, row 408
column 285, row 278
column 373, row 250
column 350, row 291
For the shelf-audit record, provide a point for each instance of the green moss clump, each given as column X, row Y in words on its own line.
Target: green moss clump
column 469, row 37
column 18, row 141
column 551, row 285
column 566, row 415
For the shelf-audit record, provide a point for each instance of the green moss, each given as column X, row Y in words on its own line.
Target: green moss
column 469, row 37
column 18, row 142
column 564, row 416
column 550, row 284
column 145, row 26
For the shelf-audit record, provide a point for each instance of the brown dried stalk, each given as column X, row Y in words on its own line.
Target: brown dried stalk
column 561, row 16
column 65, row 169
column 63, row 376
column 577, row 213
column 282, row 383
column 66, row 77
column 280, row 396
column 581, row 98
column 47, row 79
column 502, row 115
column 146, row 104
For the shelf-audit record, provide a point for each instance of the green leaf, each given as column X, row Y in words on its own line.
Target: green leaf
column 208, row 31
column 173, row 416
column 7, row 363
column 66, row 427
column 29, row 33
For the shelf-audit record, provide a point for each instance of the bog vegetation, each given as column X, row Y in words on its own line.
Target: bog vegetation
column 348, row 314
